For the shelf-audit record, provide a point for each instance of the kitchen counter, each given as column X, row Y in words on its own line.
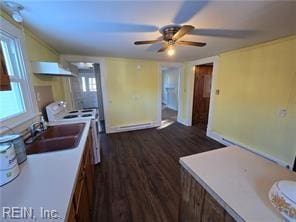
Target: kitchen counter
column 46, row 182
column 238, row 180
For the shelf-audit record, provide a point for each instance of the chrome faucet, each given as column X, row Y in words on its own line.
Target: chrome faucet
column 35, row 128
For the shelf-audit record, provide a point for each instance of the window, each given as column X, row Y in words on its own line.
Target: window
column 83, row 84
column 17, row 104
column 92, row 84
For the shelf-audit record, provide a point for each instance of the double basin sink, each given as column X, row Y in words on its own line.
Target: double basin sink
column 55, row 138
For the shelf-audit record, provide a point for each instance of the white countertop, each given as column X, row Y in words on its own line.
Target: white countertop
column 239, row 180
column 46, row 180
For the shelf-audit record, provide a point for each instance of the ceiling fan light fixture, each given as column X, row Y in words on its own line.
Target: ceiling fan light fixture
column 171, row 51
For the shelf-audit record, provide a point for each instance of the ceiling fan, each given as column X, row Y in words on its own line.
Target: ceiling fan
column 171, row 35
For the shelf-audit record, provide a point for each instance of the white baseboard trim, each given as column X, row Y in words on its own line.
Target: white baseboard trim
column 229, row 142
column 182, row 121
column 187, row 122
column 131, row 127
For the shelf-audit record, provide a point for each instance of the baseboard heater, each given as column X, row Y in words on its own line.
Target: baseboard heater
column 136, row 125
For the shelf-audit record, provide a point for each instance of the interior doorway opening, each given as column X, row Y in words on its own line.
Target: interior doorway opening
column 86, row 88
column 202, row 95
column 170, row 76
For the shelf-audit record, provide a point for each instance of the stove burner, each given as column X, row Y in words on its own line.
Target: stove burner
column 74, row 111
column 70, row 116
column 86, row 111
column 86, row 115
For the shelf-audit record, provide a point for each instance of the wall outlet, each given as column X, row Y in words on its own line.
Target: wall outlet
column 282, row 112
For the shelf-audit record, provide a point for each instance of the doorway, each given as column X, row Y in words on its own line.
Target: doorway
column 170, row 93
column 202, row 95
column 86, row 88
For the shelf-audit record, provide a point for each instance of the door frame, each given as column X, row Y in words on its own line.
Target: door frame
column 190, row 82
column 64, row 59
column 180, row 66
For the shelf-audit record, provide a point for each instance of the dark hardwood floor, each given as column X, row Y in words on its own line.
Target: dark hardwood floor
column 139, row 177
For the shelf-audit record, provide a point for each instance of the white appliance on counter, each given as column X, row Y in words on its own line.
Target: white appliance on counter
column 9, row 168
column 57, row 112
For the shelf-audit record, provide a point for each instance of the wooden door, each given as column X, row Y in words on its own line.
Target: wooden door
column 201, row 96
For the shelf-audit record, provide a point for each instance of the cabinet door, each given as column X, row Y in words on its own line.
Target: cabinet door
column 212, row 210
column 79, row 183
column 82, row 211
column 72, row 214
column 89, row 171
column 83, row 194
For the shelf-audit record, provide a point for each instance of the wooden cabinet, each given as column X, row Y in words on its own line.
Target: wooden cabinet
column 81, row 206
column 89, row 171
column 4, row 77
column 197, row 205
column 72, row 215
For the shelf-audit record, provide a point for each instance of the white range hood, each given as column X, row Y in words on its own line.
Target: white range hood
column 50, row 68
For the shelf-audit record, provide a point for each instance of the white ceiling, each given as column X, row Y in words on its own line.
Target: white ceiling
column 109, row 28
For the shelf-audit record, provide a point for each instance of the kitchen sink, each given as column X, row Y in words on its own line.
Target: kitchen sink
column 56, row 138
column 63, row 131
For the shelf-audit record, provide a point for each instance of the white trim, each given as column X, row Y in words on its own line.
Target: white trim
column 24, row 65
column 190, row 89
column 100, row 60
column 182, row 120
column 229, row 142
column 180, row 66
column 159, row 95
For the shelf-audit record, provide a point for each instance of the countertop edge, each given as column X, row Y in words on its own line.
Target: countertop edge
column 232, row 212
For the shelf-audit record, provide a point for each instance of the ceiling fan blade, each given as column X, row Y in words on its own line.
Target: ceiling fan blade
column 199, row 44
column 188, row 10
column 154, row 47
column 183, row 31
column 164, row 48
column 147, row 42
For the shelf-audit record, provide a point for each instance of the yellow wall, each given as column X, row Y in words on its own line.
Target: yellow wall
column 254, row 84
column 39, row 51
column 132, row 93
column 184, row 93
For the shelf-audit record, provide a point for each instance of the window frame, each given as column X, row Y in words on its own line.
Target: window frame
column 92, row 86
column 11, row 31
